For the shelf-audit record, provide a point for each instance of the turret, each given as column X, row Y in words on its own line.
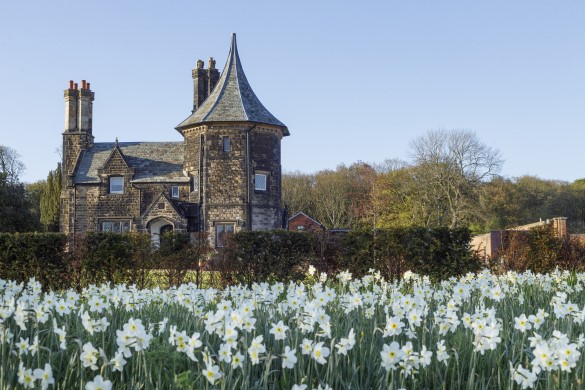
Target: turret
column 232, row 152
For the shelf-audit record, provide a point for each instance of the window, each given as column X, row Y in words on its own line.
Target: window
column 174, row 191
column 116, row 185
column 226, row 144
column 195, row 182
column 260, row 182
column 300, row 227
column 221, row 231
column 115, row 226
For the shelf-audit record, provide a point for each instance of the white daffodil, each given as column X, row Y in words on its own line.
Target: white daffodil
column 320, row 353
column 212, row 373
column 45, row 376
column 98, row 383
column 279, row 330
column 89, row 356
column 391, row 355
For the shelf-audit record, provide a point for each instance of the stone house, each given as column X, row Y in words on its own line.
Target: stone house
column 225, row 175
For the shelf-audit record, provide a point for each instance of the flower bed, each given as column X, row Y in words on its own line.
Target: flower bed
column 479, row 331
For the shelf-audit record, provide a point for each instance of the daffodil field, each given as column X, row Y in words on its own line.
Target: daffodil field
column 482, row 331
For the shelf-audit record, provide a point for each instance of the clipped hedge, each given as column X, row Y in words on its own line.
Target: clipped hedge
column 438, row 253
column 283, row 256
column 77, row 261
column 264, row 256
column 40, row 255
column 248, row 257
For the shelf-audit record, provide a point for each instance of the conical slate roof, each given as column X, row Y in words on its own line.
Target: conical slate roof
column 232, row 99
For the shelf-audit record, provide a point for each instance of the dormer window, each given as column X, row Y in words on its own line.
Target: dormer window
column 116, row 185
column 174, row 191
column 226, row 144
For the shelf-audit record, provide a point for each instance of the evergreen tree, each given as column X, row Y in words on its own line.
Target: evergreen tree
column 50, row 199
column 15, row 207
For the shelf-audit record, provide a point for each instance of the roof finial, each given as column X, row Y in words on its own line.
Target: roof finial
column 116, row 141
column 233, row 43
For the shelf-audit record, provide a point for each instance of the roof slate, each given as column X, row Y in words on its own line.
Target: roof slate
column 232, row 99
column 152, row 161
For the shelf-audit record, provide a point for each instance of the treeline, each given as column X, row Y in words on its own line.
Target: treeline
column 452, row 180
column 32, row 207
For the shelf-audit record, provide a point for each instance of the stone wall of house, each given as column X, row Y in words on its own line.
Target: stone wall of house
column 150, row 191
column 192, row 160
column 162, row 210
column 231, row 214
column 223, row 184
column 265, row 156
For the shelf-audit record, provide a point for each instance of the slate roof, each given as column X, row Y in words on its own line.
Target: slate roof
column 152, row 161
column 232, row 99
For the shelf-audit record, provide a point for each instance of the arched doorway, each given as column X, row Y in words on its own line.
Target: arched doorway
column 157, row 228
column 164, row 229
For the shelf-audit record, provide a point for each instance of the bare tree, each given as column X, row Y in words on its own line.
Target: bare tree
column 297, row 189
column 455, row 163
column 332, row 200
column 10, row 164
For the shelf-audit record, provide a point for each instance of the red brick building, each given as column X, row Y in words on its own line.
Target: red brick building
column 302, row 222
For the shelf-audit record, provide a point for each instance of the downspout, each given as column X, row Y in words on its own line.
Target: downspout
column 248, row 179
column 74, row 208
column 199, row 186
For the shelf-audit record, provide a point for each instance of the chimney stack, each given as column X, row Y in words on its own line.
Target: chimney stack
column 85, row 115
column 79, row 109
column 212, row 76
column 204, row 80
column 71, row 106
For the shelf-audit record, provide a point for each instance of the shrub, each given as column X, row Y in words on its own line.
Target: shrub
column 258, row 256
column 438, row 253
column 26, row 255
column 540, row 250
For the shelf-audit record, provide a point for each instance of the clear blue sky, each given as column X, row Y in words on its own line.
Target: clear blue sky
column 351, row 80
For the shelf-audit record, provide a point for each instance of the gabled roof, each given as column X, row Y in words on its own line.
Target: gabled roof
column 151, row 161
column 116, row 153
column 232, row 99
column 301, row 214
column 162, row 197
